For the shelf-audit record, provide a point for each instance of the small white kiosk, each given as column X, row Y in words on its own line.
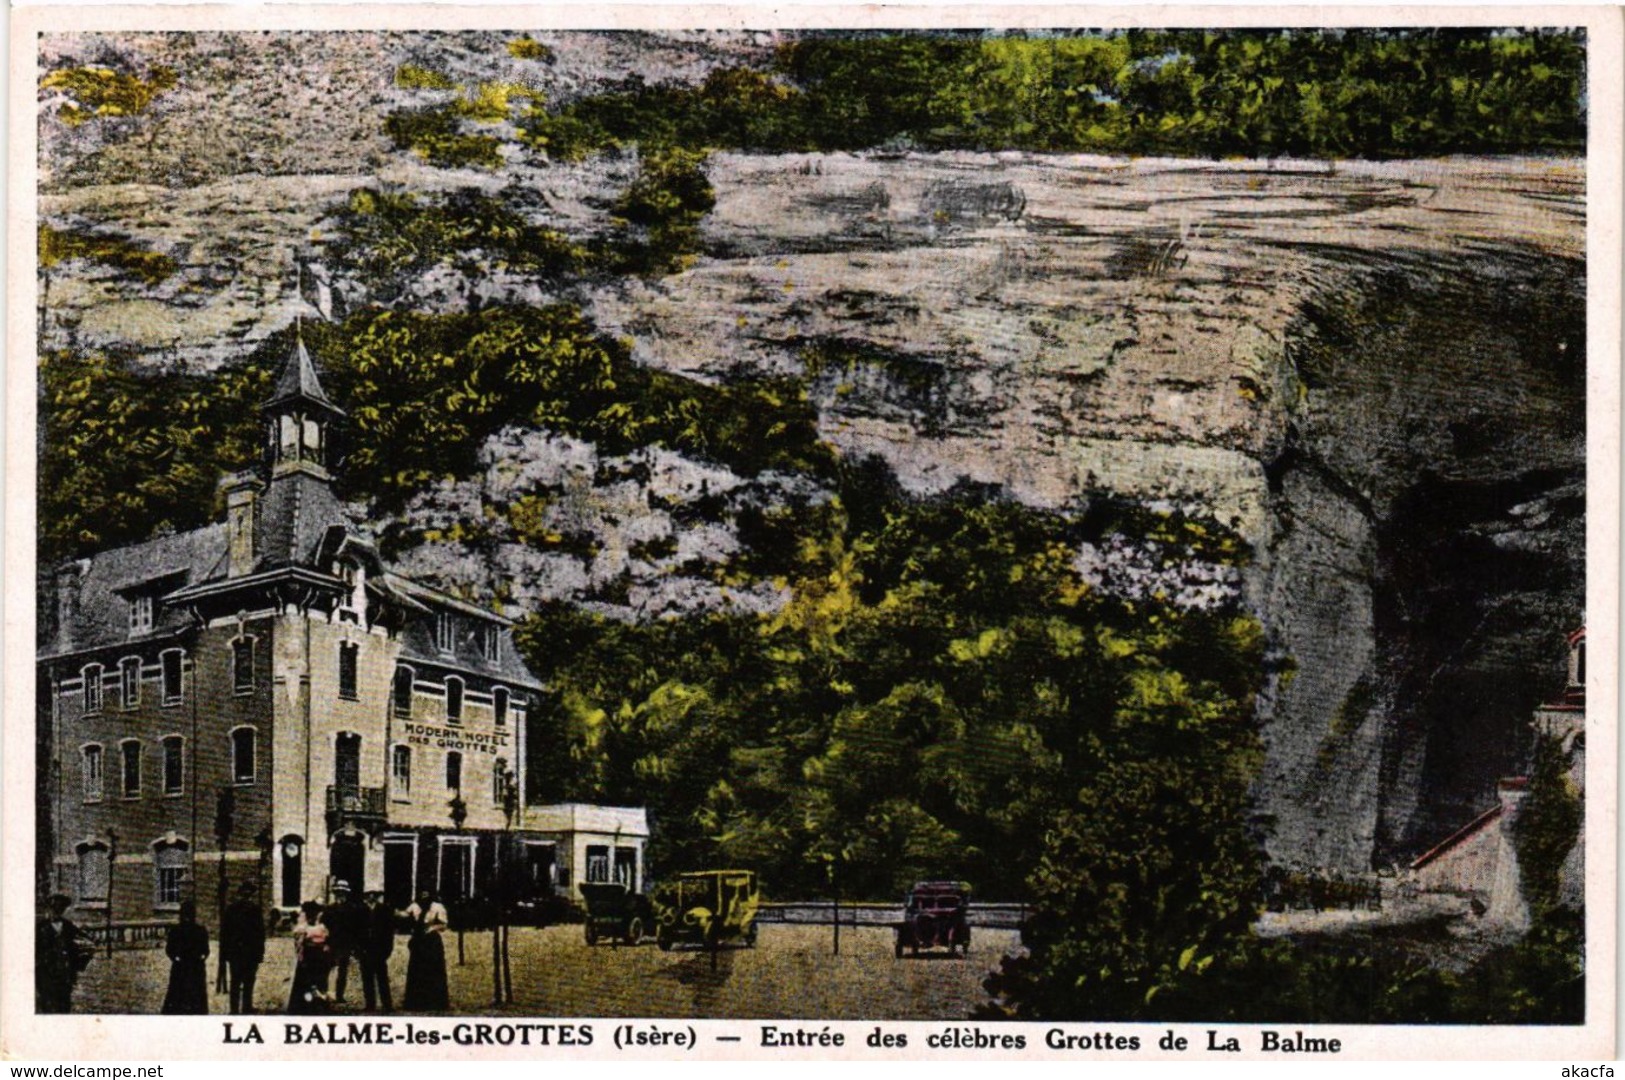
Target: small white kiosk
column 589, row 843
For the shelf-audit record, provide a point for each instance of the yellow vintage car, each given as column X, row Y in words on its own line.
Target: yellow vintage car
column 707, row 907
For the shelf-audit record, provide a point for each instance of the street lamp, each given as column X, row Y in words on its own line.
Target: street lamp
column 265, row 844
column 459, row 814
column 112, row 864
column 502, row 969
column 224, row 819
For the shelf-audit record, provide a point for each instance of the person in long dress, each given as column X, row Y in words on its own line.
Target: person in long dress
column 187, row 946
column 426, row 989
column 313, row 959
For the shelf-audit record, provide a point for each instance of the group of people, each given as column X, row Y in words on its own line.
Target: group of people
column 325, row 941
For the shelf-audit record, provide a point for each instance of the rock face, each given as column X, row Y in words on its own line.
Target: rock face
column 1375, row 372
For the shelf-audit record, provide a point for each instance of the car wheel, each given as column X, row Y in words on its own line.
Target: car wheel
column 750, row 936
column 634, row 931
column 664, row 942
column 592, row 934
column 897, row 949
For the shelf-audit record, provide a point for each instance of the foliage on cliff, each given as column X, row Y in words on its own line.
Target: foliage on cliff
column 1251, row 93
column 940, row 693
column 1547, row 826
column 104, row 92
column 123, row 449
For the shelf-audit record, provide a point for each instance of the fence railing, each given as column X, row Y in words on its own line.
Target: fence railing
column 356, row 801
column 141, row 935
column 822, row 913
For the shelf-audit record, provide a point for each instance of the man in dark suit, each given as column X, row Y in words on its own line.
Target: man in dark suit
column 60, row 954
column 242, row 944
column 377, row 942
column 346, row 918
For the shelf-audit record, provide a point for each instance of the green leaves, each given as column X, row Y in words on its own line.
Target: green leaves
column 1244, row 92
column 660, row 212
column 57, row 246
column 96, row 92
column 123, row 453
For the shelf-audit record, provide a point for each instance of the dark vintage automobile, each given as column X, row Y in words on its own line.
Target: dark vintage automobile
column 615, row 913
column 708, row 907
column 935, row 916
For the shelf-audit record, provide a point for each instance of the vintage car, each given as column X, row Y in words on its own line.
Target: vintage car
column 615, row 913
column 707, row 907
column 935, row 916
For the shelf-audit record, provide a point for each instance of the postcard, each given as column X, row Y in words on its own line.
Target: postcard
column 1002, row 534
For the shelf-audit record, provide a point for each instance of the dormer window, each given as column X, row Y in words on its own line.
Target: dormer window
column 443, row 631
column 141, row 614
column 490, row 641
column 354, row 604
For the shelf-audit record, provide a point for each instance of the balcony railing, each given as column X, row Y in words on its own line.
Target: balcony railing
column 355, row 802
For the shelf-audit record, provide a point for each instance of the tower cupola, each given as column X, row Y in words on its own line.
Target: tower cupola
column 298, row 418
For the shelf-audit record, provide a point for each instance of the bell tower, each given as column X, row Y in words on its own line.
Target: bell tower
column 299, row 420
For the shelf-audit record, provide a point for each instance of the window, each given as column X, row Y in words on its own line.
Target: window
column 172, row 864
column 242, row 665
column 400, row 770
column 131, row 752
column 443, row 631
column 172, row 677
column 403, row 692
column 93, row 688
column 140, row 614
column 91, row 766
column 356, row 581
column 347, row 761
column 454, row 771
column 597, row 862
column 242, row 755
column 626, row 862
column 94, row 872
column 174, row 764
column 499, row 705
column 129, row 671
column 490, row 641
column 498, row 776
column 349, row 655
column 454, row 699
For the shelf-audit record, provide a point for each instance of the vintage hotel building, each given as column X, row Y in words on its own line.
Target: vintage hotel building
column 264, row 699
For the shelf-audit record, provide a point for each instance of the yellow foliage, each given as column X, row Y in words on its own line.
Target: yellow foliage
column 528, row 48
column 417, row 77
